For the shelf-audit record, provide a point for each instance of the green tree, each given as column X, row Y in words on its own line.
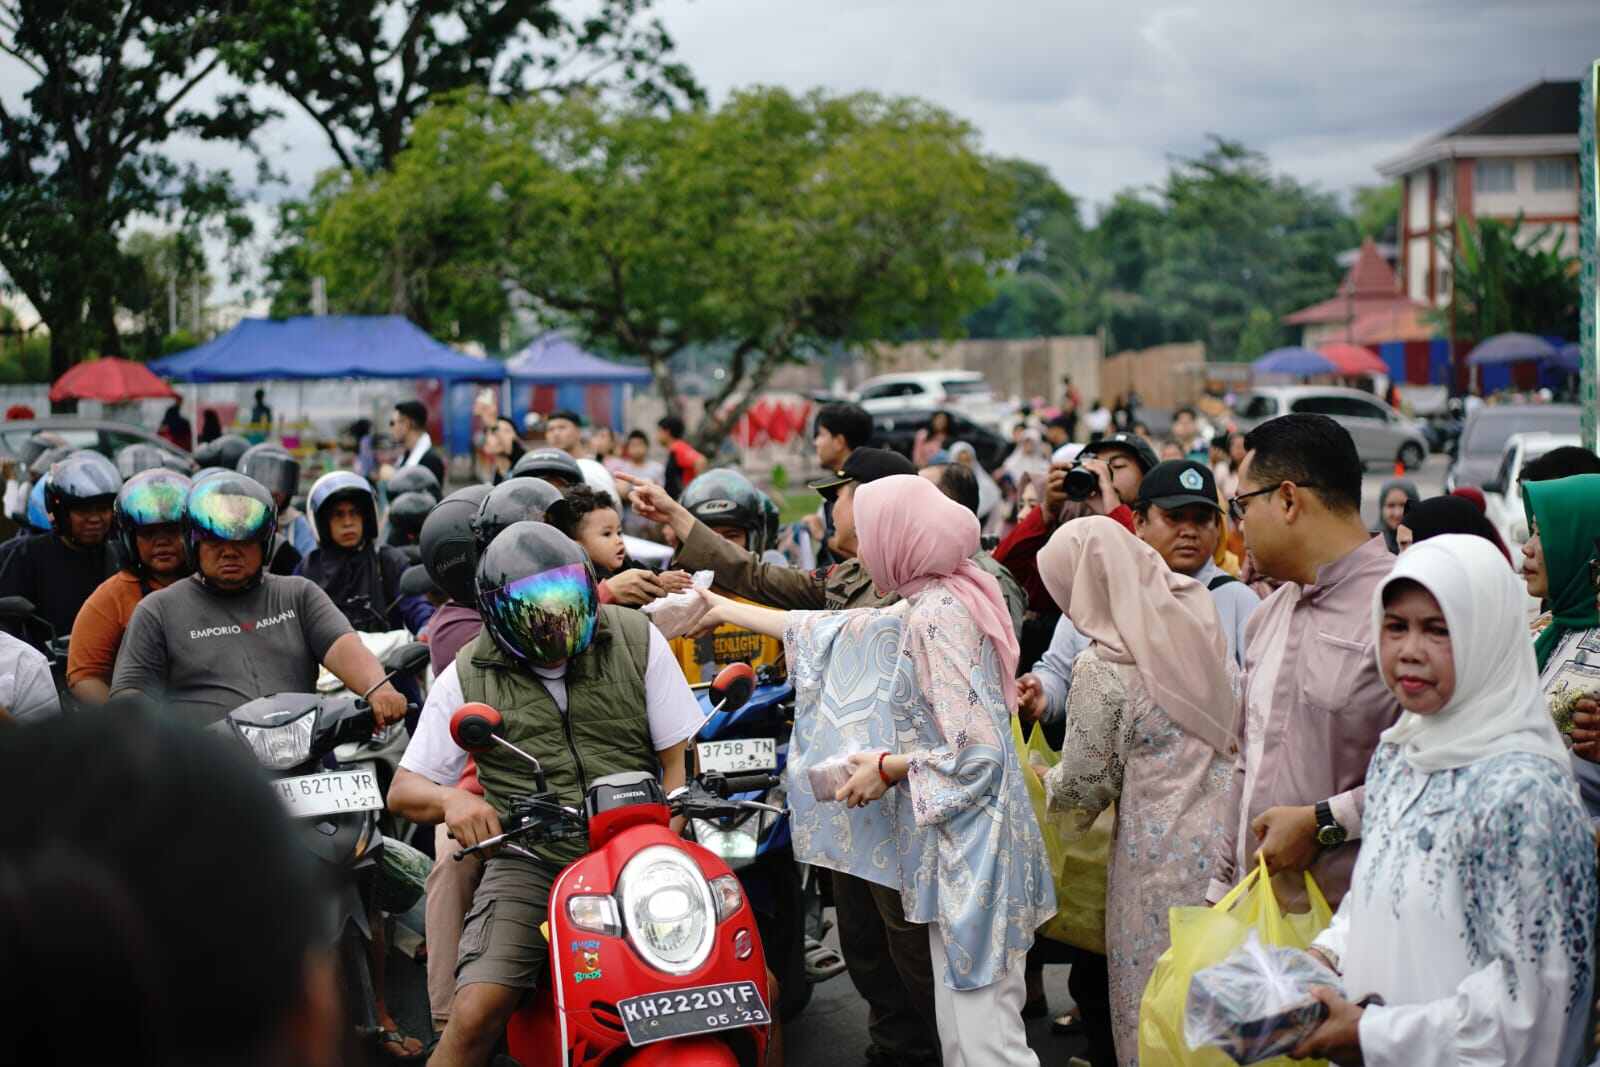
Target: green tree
column 112, row 82
column 775, row 227
column 1509, row 280
column 159, row 268
column 365, row 69
column 1051, row 289
column 1377, row 210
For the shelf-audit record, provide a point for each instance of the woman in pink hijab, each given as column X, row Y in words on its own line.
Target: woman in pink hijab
column 920, row 695
column 1150, row 728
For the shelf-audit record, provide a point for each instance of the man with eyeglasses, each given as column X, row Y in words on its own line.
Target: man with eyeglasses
column 1314, row 700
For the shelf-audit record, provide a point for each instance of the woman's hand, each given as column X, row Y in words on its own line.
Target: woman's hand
column 717, row 610
column 865, row 784
column 1339, row 1037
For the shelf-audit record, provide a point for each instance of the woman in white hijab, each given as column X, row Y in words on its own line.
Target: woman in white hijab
column 988, row 492
column 1471, row 911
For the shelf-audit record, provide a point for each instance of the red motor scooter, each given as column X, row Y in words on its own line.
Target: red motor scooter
column 655, row 957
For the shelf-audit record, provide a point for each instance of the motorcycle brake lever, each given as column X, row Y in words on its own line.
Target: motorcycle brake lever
column 756, row 805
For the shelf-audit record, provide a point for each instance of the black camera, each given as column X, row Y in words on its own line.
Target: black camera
column 1081, row 483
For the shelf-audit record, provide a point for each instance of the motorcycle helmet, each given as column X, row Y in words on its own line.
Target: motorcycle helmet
column 48, row 458
column 407, row 512
column 334, row 487
column 513, row 500
column 447, row 547
column 229, row 507
column 139, row 456
column 273, row 467
column 82, row 479
column 537, row 594
column 181, row 462
column 39, row 519
column 549, row 463
column 37, row 445
column 413, row 480
column 155, row 497
column 225, row 451
column 725, row 497
column 596, row 477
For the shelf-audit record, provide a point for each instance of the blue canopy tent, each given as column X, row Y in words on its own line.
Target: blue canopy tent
column 564, row 376
column 338, row 346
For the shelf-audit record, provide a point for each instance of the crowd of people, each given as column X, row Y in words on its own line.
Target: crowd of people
column 1204, row 629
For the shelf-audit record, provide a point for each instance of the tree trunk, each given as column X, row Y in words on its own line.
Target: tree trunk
column 713, row 428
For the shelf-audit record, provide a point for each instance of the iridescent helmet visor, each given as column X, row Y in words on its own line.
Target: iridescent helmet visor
column 545, row 617
column 217, row 510
column 153, row 501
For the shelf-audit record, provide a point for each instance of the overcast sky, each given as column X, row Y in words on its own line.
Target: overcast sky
column 1103, row 93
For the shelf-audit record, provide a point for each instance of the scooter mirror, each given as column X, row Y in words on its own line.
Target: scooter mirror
column 732, row 687
column 474, row 726
column 15, row 607
column 409, row 658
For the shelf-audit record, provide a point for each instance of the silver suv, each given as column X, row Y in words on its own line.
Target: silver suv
column 1382, row 435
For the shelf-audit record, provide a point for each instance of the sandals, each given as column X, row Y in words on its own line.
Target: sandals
column 822, row 962
column 394, row 1039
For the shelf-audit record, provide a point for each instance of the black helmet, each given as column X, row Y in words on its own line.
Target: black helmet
column 413, row 480
column 725, row 497
column 181, row 462
column 228, row 507
column 273, row 467
column 139, row 456
column 537, row 594
column 41, row 464
column 82, row 478
column 549, row 463
column 448, row 549
column 150, row 498
column 334, row 487
column 224, row 451
column 406, row 515
column 37, row 445
column 513, row 500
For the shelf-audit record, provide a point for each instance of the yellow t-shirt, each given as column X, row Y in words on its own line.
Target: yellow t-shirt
column 702, row 657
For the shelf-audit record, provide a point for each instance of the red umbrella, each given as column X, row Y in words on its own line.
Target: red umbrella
column 1353, row 359
column 111, row 381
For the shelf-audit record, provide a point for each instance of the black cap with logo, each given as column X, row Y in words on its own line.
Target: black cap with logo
column 864, row 465
column 1178, row 483
column 1142, row 453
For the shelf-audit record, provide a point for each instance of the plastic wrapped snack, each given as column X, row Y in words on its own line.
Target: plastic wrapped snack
column 677, row 613
column 1257, row 1003
column 828, row 777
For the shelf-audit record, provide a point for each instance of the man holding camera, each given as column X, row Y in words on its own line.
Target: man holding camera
column 1104, row 479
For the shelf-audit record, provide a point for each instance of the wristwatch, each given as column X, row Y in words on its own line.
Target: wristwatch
column 1329, row 832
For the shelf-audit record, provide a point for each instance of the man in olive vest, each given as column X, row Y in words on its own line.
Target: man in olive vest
column 589, row 690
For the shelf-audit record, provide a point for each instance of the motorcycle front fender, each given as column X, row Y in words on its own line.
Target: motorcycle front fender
column 706, row 1051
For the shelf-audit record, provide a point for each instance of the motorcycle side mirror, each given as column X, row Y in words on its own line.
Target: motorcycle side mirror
column 16, row 607
column 409, row 658
column 732, row 686
column 474, row 727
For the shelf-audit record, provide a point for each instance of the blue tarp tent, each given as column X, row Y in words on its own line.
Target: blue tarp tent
column 325, row 346
column 564, row 376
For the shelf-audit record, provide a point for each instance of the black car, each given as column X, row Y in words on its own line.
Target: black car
column 898, row 430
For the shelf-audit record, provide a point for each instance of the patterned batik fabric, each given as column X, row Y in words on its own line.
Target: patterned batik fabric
column 958, row 837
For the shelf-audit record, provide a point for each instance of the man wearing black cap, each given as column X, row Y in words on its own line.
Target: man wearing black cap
column 887, row 955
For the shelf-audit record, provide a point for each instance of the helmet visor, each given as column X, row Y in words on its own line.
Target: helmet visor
column 154, row 501
column 226, row 516
column 543, row 617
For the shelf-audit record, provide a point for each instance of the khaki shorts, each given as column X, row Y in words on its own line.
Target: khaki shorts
column 500, row 940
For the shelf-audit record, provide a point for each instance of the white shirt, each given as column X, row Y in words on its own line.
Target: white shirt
column 27, row 689
column 418, row 450
column 670, row 706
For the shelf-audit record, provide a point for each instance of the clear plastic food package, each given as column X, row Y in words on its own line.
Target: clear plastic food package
column 828, row 777
column 677, row 613
column 1257, row 1003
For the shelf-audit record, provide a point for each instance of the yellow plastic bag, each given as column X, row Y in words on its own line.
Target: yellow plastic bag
column 1202, row 937
column 1078, row 861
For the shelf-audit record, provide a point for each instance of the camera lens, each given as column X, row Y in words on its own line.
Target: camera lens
column 1081, row 484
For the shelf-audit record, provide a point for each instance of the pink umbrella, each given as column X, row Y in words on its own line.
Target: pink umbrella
column 111, row 381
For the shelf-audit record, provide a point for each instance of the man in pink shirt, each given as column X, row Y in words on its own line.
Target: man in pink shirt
column 1314, row 703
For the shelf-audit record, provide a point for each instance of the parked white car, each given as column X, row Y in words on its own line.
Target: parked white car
column 1503, row 493
column 965, row 391
column 1382, row 435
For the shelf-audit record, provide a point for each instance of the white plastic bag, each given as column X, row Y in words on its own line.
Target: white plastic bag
column 677, row 613
column 1257, row 1003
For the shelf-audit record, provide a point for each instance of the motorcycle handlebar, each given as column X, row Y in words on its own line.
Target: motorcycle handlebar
column 742, row 783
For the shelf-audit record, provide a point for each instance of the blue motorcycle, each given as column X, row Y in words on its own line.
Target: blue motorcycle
column 754, row 736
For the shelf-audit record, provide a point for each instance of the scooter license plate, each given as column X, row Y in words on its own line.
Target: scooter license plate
column 351, row 789
column 701, row 1010
column 738, row 757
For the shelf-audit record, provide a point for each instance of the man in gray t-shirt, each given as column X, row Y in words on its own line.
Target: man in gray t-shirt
column 208, row 653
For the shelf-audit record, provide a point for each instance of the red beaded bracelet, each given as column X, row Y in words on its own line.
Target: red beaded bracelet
column 881, row 757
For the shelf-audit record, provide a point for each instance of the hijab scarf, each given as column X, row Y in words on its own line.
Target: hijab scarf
column 1028, row 458
column 1497, row 706
column 912, row 535
column 988, row 491
column 1121, row 594
column 1566, row 513
column 1450, row 515
column 1412, row 496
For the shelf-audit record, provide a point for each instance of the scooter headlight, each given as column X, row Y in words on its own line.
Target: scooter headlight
column 283, row 746
column 734, row 845
column 667, row 909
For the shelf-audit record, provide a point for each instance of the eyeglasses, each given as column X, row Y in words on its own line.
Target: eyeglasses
column 1236, row 510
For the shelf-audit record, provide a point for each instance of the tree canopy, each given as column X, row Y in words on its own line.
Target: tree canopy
column 1507, row 280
